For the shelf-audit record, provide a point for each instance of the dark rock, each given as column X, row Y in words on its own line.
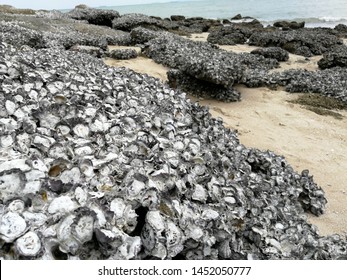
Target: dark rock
column 229, row 35
column 237, row 17
column 81, row 6
column 248, row 22
column 285, row 25
column 336, row 56
column 177, row 18
column 341, row 29
column 94, row 16
column 180, row 80
column 272, row 52
column 226, row 21
column 123, row 54
column 304, row 42
column 157, row 18
column 128, row 22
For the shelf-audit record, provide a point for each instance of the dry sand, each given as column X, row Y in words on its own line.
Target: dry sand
column 265, row 119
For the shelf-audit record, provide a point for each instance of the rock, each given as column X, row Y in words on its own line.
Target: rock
column 123, row 54
column 81, row 6
column 328, row 82
column 229, row 35
column 177, row 18
column 336, row 56
column 128, row 22
column 94, row 16
column 237, row 17
column 286, row 25
column 342, row 29
column 202, row 60
column 142, row 35
column 272, row 52
column 306, row 42
column 180, row 80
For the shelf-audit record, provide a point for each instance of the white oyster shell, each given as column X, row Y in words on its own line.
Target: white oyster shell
column 28, row 245
column 81, row 130
column 12, row 225
column 16, row 206
column 62, row 204
column 83, row 230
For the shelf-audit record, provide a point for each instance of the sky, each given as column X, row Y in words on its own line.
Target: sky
column 68, row 4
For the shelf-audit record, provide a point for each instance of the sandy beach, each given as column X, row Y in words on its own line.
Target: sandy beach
column 267, row 120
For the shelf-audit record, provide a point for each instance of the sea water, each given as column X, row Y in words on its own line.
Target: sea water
column 325, row 13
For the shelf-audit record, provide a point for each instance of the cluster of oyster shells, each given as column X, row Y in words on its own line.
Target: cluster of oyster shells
column 105, row 163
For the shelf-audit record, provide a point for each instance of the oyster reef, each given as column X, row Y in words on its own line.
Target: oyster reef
column 99, row 162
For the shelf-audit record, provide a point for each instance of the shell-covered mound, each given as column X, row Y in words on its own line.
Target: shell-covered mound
column 104, row 163
column 53, row 30
column 328, row 82
column 305, row 42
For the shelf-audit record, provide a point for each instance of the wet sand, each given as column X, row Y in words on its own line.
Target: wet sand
column 266, row 120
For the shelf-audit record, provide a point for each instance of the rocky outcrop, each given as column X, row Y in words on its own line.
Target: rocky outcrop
column 54, row 29
column 272, row 52
column 177, row 18
column 202, row 60
column 142, row 35
column 128, row 22
column 94, row 16
column 180, row 80
column 229, row 35
column 336, row 56
column 328, row 82
column 287, row 25
column 341, row 29
column 179, row 25
column 305, row 42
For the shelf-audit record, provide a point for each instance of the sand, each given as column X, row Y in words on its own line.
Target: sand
column 266, row 120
